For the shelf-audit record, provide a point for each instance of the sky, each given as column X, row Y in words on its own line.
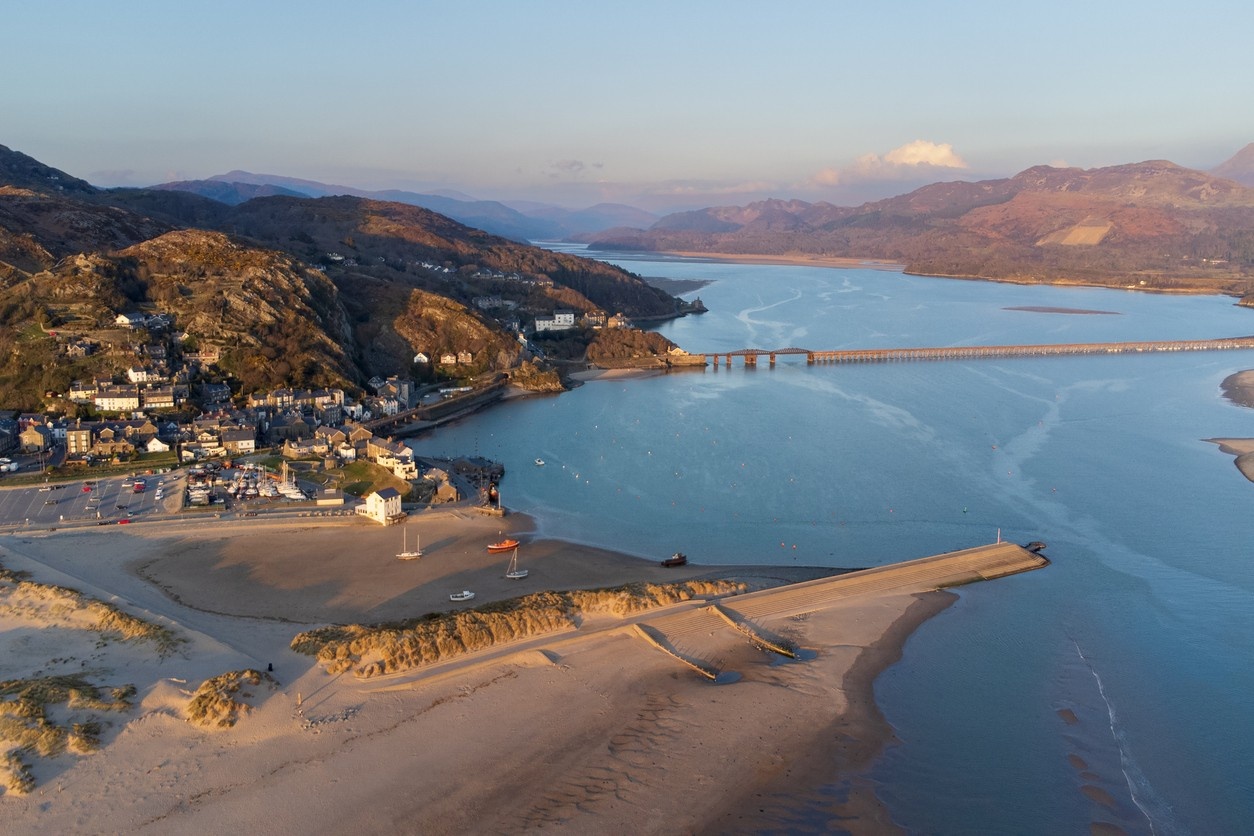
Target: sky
column 662, row 105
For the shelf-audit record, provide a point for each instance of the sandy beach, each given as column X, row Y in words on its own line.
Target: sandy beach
column 588, row 731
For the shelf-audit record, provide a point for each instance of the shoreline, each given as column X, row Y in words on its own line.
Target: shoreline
column 845, row 262
column 798, row 260
column 240, row 591
column 1238, row 388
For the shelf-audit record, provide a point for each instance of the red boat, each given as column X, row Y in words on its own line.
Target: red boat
column 503, row 546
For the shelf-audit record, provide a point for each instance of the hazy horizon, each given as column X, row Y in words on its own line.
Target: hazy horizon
column 657, row 106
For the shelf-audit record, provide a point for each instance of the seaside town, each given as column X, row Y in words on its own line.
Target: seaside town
column 332, row 452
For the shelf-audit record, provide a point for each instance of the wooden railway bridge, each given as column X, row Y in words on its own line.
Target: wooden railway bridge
column 974, row 352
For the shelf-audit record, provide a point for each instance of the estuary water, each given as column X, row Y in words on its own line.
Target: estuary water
column 1112, row 686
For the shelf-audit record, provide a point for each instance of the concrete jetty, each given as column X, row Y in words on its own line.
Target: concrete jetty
column 697, row 631
column 981, row 563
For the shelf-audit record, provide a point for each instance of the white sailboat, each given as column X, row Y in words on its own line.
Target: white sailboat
column 513, row 572
column 405, row 553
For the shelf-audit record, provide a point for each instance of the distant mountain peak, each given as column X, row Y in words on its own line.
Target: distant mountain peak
column 17, row 169
column 1238, row 167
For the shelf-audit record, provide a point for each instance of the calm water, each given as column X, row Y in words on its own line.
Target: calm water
column 1112, row 686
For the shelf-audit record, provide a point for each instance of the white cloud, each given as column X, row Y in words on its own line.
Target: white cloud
column 906, row 162
column 922, row 152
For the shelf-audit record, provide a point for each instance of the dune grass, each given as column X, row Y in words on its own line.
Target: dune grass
column 220, row 702
column 373, row 650
column 106, row 619
column 29, row 731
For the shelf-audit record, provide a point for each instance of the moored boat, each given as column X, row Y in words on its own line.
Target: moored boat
column 406, row 553
column 503, row 546
column 677, row 559
column 513, row 572
column 464, row 595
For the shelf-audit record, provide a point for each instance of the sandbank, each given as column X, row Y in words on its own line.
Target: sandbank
column 587, row 733
column 1239, row 388
column 1056, row 310
column 1242, row 448
column 802, row 259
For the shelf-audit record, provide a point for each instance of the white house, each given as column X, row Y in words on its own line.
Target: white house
column 561, row 320
column 383, row 506
column 131, row 320
column 156, row 445
column 117, row 399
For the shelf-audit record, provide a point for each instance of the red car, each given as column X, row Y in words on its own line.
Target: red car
column 124, row 522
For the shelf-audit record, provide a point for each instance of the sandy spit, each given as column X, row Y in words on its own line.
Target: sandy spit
column 587, row 733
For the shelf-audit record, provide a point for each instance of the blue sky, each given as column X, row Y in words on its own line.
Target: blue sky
column 660, row 104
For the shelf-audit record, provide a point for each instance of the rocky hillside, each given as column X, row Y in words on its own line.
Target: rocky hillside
column 441, row 325
column 294, row 291
column 276, row 321
column 1154, row 225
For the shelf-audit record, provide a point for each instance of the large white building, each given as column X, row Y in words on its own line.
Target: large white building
column 383, row 506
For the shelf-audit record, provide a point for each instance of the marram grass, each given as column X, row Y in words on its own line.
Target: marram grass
column 373, row 650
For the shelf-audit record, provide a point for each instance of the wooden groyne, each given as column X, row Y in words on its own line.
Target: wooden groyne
column 751, row 356
column 662, row 643
column 757, row 636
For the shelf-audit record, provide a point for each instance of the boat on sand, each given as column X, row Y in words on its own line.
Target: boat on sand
column 505, row 545
column 677, row 559
column 464, row 595
column 410, row 554
column 513, row 572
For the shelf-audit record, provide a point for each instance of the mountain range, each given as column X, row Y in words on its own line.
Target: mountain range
column 293, row 291
column 1152, row 225
column 520, row 221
